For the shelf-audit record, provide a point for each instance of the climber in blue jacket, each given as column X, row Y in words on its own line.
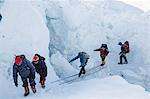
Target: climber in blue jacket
column 83, row 59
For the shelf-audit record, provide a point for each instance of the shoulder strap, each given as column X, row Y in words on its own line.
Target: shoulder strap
column 25, row 60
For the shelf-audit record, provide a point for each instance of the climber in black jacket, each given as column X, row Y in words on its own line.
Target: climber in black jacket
column 41, row 68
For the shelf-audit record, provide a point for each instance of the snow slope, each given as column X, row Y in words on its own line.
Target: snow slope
column 112, row 87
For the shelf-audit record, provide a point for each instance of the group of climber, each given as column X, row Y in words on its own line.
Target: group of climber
column 84, row 57
column 27, row 70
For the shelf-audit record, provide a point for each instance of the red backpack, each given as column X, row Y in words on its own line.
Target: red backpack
column 126, row 47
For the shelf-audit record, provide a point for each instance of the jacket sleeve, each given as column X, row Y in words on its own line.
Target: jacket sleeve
column 32, row 68
column 15, row 74
column 74, row 59
column 44, row 68
column 45, row 71
column 97, row 49
column 122, row 49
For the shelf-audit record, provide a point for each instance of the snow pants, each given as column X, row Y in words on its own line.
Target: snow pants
column 123, row 56
column 31, row 81
column 82, row 71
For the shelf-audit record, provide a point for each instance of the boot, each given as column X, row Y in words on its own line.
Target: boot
column 126, row 62
column 103, row 63
column 26, row 91
column 33, row 89
column 119, row 63
column 79, row 74
column 43, row 83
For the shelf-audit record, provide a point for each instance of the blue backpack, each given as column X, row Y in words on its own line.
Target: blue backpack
column 23, row 69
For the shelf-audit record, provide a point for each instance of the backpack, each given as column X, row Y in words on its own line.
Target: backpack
column 126, row 47
column 106, row 48
column 84, row 54
column 87, row 56
column 24, row 69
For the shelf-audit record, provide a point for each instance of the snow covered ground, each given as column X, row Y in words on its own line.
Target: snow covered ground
column 58, row 30
column 113, row 87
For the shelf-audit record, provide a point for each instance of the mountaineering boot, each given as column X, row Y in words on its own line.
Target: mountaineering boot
column 43, row 86
column 26, row 91
column 79, row 74
column 33, row 89
column 119, row 63
column 103, row 63
column 125, row 62
column 43, row 83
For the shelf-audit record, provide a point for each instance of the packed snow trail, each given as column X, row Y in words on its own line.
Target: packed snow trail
column 68, row 77
column 83, row 76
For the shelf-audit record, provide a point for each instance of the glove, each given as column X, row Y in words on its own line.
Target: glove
column 120, row 53
column 16, row 84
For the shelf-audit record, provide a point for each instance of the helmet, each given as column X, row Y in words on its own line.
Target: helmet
column 36, row 58
column 18, row 60
column 119, row 43
column 126, row 42
column 22, row 56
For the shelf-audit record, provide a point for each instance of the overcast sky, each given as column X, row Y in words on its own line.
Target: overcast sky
column 142, row 4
